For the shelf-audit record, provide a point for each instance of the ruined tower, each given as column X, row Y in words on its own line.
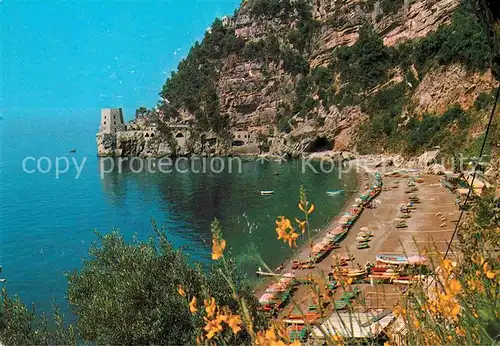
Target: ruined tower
column 111, row 120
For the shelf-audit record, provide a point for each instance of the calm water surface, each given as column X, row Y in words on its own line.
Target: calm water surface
column 47, row 224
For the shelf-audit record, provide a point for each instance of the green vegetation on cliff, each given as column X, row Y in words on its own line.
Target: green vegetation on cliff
column 193, row 86
column 367, row 65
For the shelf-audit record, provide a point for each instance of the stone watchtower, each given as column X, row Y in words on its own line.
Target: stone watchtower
column 111, row 120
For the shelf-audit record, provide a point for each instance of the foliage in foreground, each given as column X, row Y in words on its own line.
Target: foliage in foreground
column 20, row 325
column 128, row 293
column 460, row 302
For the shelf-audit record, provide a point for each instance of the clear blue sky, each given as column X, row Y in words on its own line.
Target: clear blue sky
column 81, row 55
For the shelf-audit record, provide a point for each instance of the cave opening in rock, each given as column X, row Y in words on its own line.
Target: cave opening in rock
column 319, row 144
column 238, row 143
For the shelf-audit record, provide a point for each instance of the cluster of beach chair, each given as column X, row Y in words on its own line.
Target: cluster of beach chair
column 332, row 238
column 413, row 199
column 363, row 238
column 346, row 299
column 298, row 332
column 277, row 294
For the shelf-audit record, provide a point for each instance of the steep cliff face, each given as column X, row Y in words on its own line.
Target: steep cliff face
column 405, row 20
column 253, row 93
column 450, row 84
column 302, row 72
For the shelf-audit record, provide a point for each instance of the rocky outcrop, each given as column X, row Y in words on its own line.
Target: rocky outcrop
column 134, row 143
column 106, row 144
column 412, row 20
column 415, row 20
column 428, row 158
column 448, row 85
column 249, row 97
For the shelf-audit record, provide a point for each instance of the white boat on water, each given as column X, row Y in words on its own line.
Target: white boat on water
column 267, row 192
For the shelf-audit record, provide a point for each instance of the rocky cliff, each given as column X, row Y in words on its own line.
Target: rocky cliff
column 308, row 75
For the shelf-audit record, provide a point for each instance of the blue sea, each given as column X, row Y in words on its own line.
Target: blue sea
column 48, row 222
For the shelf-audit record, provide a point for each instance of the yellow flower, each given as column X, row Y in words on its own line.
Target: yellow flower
column 218, row 246
column 471, row 284
column 477, row 259
column 311, row 209
column 285, row 231
column 210, row 307
column 301, row 206
column 337, row 338
column 283, row 224
column 271, row 337
column 192, row 305
column 234, row 322
column 212, row 327
column 488, row 271
column 447, row 265
column 302, row 225
column 398, row 310
column 450, row 309
column 181, row 291
column 455, row 286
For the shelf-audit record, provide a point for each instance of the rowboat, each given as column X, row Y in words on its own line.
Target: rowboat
column 401, row 224
column 267, row 192
column 365, row 234
column 400, row 259
column 356, row 272
column 334, row 192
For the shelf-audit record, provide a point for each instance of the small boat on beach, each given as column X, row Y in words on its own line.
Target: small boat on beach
column 334, row 192
column 400, row 259
column 355, row 272
column 401, row 224
column 362, row 246
column 263, row 273
column 267, row 192
column 366, row 234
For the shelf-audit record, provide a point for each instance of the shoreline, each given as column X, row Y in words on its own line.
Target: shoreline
column 305, row 247
column 428, row 229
